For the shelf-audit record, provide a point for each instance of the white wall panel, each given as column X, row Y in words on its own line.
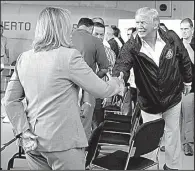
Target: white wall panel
column 69, row 3
column 85, row 3
column 104, row 4
column 134, row 5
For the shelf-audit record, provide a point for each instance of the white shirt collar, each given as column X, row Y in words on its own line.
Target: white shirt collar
column 158, row 38
column 153, row 54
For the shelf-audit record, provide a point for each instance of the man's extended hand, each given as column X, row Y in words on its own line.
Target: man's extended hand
column 187, row 89
column 29, row 141
column 122, row 85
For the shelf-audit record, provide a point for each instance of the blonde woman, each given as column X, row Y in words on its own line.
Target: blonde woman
column 49, row 77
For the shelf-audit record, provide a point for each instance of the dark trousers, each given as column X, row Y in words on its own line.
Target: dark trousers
column 98, row 115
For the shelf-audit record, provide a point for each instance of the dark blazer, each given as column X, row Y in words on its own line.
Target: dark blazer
column 159, row 87
column 114, row 46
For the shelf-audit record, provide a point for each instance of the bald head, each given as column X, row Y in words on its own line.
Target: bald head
column 109, row 33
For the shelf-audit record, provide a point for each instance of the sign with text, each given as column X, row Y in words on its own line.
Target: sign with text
column 17, row 26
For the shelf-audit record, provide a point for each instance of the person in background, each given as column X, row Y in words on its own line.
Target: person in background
column 187, row 130
column 119, row 35
column 133, row 91
column 130, row 31
column 4, row 49
column 162, row 148
column 109, row 37
column 99, row 32
column 93, row 52
column 164, row 27
column 100, row 20
column 116, row 36
column 49, row 77
column 162, row 69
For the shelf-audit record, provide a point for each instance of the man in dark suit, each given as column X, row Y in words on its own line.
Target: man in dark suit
column 93, row 52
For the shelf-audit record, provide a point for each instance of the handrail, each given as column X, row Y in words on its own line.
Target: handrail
column 10, row 142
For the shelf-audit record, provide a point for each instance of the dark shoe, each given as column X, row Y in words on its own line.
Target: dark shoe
column 188, row 151
column 165, row 167
column 162, row 148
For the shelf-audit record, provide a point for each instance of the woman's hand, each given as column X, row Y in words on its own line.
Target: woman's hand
column 29, row 141
column 120, row 81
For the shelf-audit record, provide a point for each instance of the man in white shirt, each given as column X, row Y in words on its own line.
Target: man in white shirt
column 162, row 69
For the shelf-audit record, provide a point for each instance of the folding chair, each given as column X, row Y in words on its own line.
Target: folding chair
column 118, row 103
column 92, row 150
column 19, row 155
column 120, row 108
column 144, row 140
column 121, row 123
column 125, row 114
column 118, row 134
column 118, row 137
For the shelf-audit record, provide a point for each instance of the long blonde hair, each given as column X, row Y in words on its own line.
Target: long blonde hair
column 53, row 29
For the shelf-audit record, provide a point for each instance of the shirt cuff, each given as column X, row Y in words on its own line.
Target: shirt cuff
column 188, row 84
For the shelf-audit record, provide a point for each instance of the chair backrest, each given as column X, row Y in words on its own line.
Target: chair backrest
column 118, row 103
column 93, row 142
column 136, row 113
column 148, row 136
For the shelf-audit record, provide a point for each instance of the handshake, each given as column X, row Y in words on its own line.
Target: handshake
column 121, row 83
